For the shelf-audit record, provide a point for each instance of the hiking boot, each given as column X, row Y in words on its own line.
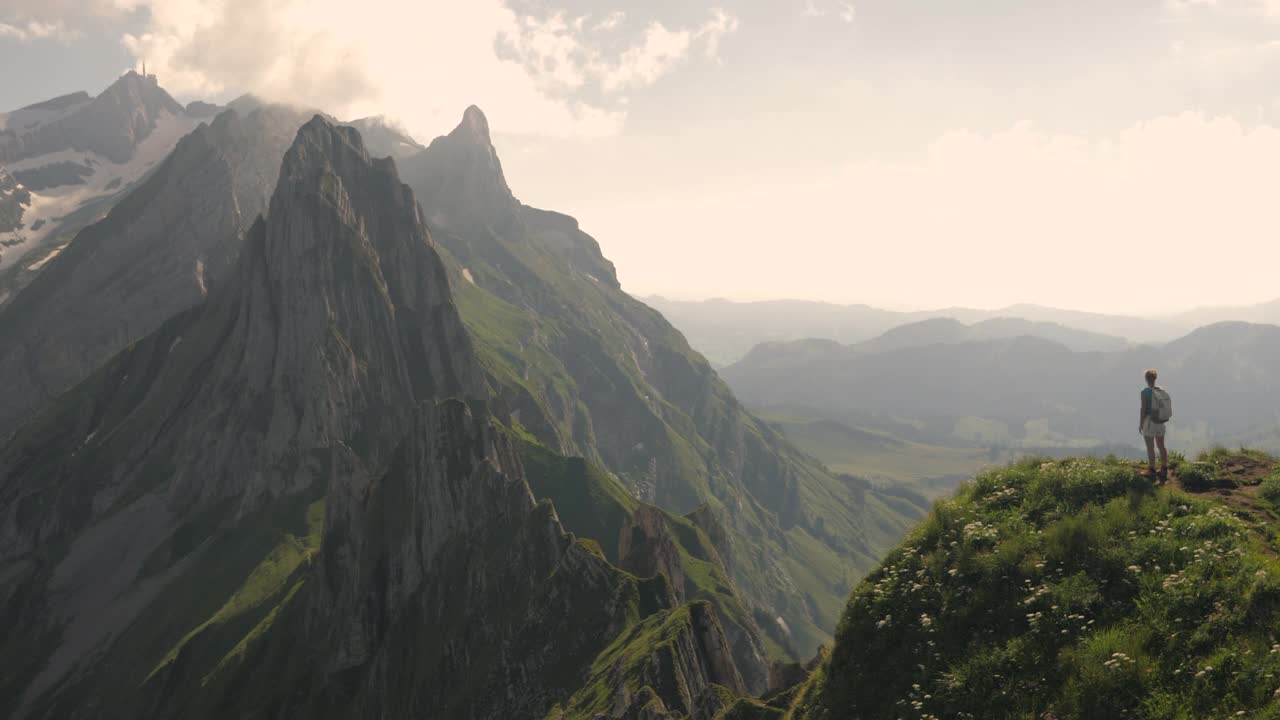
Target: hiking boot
column 1163, row 476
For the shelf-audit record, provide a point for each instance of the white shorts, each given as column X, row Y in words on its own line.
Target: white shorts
column 1152, row 429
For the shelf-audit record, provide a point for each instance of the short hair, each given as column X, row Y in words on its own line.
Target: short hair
column 1151, row 375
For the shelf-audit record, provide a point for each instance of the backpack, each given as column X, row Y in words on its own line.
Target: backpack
column 1161, row 405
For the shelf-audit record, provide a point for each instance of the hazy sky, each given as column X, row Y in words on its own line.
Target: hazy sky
column 1106, row 155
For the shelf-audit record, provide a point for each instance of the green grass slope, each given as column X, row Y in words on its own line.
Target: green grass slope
column 1072, row 589
column 590, row 371
column 593, row 505
column 640, row 657
column 225, row 588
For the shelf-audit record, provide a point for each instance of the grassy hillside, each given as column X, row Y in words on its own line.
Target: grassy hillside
column 1072, row 589
column 581, row 387
column 594, row 506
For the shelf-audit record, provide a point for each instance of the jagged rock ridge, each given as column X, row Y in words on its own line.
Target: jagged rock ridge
column 111, row 125
column 158, row 252
column 75, row 156
column 267, row 507
column 591, row 371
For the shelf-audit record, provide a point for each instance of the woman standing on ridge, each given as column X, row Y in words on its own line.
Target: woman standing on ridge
column 1156, row 411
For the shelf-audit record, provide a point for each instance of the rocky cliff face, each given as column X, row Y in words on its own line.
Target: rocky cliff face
column 441, row 589
column 14, row 199
column 473, row 212
column 75, row 156
column 111, row 125
column 267, row 507
column 158, row 252
column 337, row 320
column 591, row 371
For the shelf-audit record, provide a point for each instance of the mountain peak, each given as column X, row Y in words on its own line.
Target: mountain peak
column 462, row 171
column 112, row 124
column 319, row 144
column 318, row 128
column 338, row 215
column 474, row 126
column 145, row 90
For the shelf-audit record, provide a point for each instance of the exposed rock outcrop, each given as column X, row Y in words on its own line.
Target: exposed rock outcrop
column 289, row 501
column 336, row 324
column 160, row 251
column 111, row 125
column 593, row 372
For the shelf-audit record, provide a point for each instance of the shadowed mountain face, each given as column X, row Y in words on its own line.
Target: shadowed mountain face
column 246, row 370
column 1222, row 376
column 111, row 125
column 284, row 499
column 590, row 371
column 158, row 252
column 71, row 158
column 14, row 200
column 289, row 501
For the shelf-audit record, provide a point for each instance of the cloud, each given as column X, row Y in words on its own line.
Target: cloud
column 1237, row 59
column 1146, row 220
column 714, row 30
column 612, row 21
column 845, row 11
column 1187, row 9
column 37, row 30
column 645, row 63
column 1156, row 217
column 556, row 52
column 68, row 12
column 421, row 62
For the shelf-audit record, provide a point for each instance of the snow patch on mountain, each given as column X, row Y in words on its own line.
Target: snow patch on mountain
column 32, row 117
column 43, row 220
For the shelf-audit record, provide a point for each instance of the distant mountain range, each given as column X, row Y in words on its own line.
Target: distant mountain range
column 724, row 331
column 1266, row 313
column 932, row 381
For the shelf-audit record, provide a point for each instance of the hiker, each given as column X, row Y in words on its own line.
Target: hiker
column 1156, row 411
